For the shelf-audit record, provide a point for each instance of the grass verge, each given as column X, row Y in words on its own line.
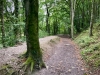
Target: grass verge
column 90, row 46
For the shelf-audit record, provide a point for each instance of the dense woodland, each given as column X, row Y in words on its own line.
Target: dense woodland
column 20, row 20
column 55, row 17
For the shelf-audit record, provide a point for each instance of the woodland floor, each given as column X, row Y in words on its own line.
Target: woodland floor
column 60, row 55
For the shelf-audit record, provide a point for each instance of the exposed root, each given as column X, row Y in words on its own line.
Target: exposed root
column 30, row 63
column 7, row 69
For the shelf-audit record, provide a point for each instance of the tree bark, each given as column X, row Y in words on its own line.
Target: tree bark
column 92, row 19
column 2, row 22
column 16, row 27
column 47, row 20
column 32, row 39
column 73, row 3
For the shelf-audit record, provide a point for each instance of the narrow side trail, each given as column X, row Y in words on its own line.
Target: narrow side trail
column 10, row 54
column 65, row 60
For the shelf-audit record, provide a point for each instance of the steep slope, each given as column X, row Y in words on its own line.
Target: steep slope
column 90, row 48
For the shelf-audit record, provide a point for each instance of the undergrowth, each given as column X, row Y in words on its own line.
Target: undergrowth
column 90, row 46
column 42, row 34
column 10, row 42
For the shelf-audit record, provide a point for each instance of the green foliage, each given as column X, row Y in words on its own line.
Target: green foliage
column 90, row 46
column 10, row 41
column 85, row 41
column 9, row 33
column 42, row 34
column 59, row 18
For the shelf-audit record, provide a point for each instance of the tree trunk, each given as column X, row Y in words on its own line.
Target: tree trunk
column 73, row 2
column 2, row 22
column 47, row 20
column 55, row 26
column 34, row 55
column 16, row 27
column 83, row 15
column 92, row 19
column 72, row 18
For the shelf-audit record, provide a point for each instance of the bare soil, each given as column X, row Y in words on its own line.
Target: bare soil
column 60, row 55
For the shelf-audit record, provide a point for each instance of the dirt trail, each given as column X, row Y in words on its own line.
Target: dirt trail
column 61, row 57
column 10, row 53
column 64, row 61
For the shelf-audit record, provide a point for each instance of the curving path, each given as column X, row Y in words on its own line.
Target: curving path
column 65, row 60
column 61, row 57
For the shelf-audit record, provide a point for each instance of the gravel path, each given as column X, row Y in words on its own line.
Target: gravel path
column 61, row 57
column 64, row 61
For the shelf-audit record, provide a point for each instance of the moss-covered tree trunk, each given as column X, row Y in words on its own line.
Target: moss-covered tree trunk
column 73, row 3
column 16, row 27
column 92, row 18
column 34, row 55
column 2, row 22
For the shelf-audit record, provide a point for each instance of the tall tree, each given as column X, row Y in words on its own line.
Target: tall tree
column 47, row 19
column 92, row 18
column 16, row 27
column 2, row 21
column 73, row 3
column 34, row 55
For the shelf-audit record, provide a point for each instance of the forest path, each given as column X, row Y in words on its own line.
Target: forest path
column 8, row 55
column 65, row 60
column 60, row 55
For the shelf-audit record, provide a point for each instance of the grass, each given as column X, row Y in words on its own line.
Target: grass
column 90, row 46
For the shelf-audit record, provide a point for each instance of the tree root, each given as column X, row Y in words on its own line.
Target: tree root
column 32, row 64
column 8, row 69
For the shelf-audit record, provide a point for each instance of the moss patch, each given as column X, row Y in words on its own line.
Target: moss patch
column 31, row 63
column 7, row 69
column 90, row 46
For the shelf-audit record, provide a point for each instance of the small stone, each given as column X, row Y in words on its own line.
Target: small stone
column 73, row 67
column 57, row 68
column 51, row 66
column 82, row 69
column 67, row 44
column 55, row 53
column 61, row 61
column 47, row 67
column 69, row 70
column 90, row 72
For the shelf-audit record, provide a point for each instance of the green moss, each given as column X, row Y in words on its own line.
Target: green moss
column 8, row 69
column 58, row 39
column 30, row 62
column 52, row 41
column 5, row 66
column 90, row 46
column 97, row 63
column 85, row 74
